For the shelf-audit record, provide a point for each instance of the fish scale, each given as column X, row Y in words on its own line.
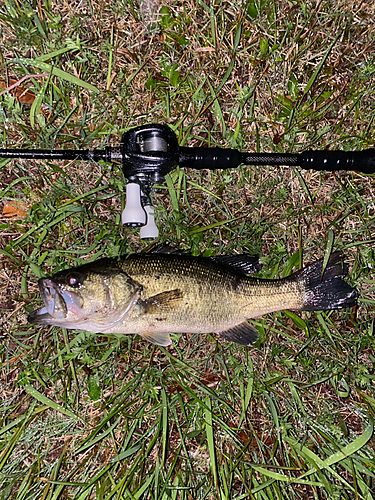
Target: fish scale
column 214, row 281
column 155, row 294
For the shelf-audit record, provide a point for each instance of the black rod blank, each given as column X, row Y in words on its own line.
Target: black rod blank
column 109, row 154
column 45, row 154
column 217, row 158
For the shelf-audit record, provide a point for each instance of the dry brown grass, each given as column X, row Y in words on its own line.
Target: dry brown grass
column 262, row 103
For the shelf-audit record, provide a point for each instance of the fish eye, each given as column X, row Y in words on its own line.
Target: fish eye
column 73, row 280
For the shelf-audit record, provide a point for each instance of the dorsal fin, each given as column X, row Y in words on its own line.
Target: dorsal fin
column 243, row 263
column 168, row 250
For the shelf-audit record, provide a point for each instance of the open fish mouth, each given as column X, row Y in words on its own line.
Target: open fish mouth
column 58, row 303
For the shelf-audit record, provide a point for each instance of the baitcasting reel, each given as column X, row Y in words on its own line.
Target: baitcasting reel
column 149, row 152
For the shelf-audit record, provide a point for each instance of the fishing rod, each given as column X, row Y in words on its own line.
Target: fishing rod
column 149, row 152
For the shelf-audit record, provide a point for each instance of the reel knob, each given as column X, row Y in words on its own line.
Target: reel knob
column 150, row 230
column 133, row 214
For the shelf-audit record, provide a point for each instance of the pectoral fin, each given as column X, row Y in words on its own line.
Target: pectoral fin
column 163, row 302
column 243, row 334
column 158, row 338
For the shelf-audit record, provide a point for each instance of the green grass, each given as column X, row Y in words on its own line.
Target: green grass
column 92, row 416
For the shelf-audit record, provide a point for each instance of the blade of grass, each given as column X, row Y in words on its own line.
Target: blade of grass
column 328, row 250
column 7, row 451
column 52, row 70
column 246, row 396
column 211, row 441
column 283, row 477
column 311, row 82
column 164, row 425
column 212, row 226
column 51, row 404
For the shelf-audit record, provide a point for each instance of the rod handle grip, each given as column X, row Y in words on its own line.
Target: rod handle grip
column 361, row 161
column 210, row 158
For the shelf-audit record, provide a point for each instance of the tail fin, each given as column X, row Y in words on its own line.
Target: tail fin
column 328, row 290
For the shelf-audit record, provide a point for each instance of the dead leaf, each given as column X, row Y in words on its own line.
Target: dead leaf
column 21, row 93
column 14, row 210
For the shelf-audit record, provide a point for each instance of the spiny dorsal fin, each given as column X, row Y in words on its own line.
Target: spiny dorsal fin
column 158, row 338
column 162, row 302
column 245, row 264
column 164, row 248
column 243, row 334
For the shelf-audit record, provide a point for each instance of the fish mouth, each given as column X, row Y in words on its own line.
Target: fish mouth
column 58, row 303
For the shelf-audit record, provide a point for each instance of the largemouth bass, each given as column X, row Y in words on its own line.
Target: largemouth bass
column 155, row 294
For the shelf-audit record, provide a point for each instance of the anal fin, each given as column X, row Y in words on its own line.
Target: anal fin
column 158, row 338
column 242, row 334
